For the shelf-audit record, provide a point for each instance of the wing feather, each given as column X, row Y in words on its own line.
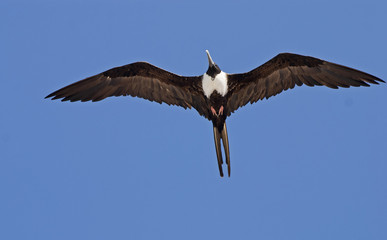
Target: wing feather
column 138, row 79
column 287, row 70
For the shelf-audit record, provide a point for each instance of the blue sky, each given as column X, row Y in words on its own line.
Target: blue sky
column 309, row 163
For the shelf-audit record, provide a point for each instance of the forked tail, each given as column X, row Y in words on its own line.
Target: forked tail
column 218, row 135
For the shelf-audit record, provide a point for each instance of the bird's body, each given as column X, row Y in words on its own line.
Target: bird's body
column 215, row 94
column 217, row 83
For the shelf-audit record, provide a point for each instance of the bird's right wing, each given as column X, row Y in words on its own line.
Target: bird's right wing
column 138, row 79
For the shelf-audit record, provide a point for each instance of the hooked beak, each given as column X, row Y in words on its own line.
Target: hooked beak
column 210, row 61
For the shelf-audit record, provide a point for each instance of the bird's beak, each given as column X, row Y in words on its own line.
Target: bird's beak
column 210, row 61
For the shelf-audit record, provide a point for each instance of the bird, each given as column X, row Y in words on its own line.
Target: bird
column 216, row 94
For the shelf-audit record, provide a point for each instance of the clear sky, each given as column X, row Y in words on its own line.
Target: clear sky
column 309, row 163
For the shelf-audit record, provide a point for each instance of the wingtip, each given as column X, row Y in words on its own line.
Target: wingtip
column 48, row 96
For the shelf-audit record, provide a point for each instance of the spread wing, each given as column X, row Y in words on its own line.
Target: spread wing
column 138, row 79
column 287, row 70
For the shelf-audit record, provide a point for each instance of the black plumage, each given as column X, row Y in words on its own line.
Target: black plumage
column 282, row 72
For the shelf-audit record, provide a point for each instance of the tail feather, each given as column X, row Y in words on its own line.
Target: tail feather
column 218, row 150
column 218, row 135
column 224, row 137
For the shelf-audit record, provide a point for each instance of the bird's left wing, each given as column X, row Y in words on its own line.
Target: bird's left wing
column 138, row 79
column 287, row 70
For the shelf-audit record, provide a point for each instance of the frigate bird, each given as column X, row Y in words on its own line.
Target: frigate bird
column 215, row 94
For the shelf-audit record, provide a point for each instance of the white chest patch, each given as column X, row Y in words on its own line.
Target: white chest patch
column 218, row 84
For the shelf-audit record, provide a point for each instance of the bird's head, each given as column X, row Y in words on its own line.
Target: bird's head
column 213, row 69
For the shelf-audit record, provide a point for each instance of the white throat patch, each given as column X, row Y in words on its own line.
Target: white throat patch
column 219, row 84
